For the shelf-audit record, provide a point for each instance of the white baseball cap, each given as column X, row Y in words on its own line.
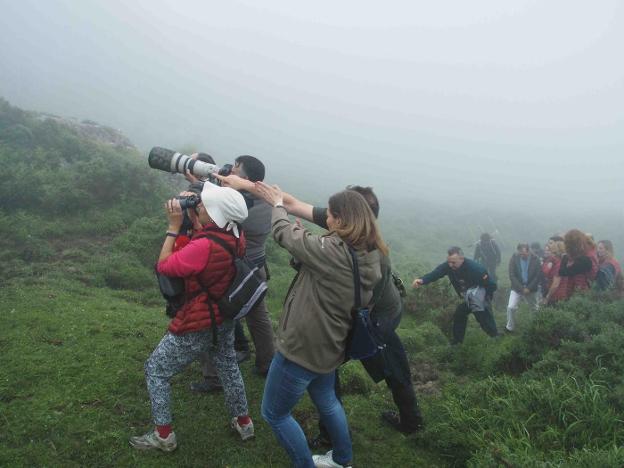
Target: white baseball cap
column 225, row 206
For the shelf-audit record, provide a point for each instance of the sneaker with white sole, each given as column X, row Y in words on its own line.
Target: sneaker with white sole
column 246, row 431
column 327, row 461
column 152, row 440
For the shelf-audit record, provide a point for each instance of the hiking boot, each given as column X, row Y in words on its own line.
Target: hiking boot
column 152, row 440
column 242, row 356
column 206, row 386
column 319, row 442
column 327, row 461
column 393, row 419
column 246, row 431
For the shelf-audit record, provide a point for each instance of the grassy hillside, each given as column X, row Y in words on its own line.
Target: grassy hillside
column 81, row 226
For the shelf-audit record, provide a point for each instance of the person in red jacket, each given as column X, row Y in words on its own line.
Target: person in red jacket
column 550, row 269
column 577, row 269
column 197, row 327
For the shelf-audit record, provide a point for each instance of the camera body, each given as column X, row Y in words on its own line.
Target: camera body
column 186, row 202
column 190, row 201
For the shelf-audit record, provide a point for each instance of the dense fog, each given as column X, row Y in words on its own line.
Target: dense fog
column 483, row 104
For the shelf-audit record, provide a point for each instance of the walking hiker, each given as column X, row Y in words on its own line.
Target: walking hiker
column 488, row 254
column 577, row 269
column 473, row 284
column 609, row 270
column 525, row 275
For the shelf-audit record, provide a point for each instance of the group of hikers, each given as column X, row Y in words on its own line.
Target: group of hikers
column 567, row 265
column 306, row 350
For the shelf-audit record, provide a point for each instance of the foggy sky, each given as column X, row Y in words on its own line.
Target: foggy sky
column 485, row 102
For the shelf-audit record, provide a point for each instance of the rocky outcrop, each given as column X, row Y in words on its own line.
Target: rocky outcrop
column 91, row 130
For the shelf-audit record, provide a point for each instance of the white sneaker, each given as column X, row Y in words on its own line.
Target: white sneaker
column 246, row 431
column 152, row 440
column 327, row 461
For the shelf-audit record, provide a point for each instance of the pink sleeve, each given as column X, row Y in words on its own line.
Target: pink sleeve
column 189, row 260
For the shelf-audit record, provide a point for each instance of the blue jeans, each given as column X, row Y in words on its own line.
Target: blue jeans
column 284, row 387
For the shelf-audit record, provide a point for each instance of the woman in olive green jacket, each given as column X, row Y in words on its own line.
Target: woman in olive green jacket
column 312, row 333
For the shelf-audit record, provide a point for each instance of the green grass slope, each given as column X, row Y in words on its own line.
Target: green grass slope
column 81, row 225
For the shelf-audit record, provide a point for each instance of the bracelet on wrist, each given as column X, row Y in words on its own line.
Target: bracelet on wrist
column 172, row 234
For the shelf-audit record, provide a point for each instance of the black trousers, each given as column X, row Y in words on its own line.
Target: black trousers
column 460, row 320
column 241, row 342
column 392, row 366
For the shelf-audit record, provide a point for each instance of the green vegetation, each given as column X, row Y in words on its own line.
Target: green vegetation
column 81, row 226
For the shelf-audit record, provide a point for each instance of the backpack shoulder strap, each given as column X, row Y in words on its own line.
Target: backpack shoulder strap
column 356, row 279
column 221, row 242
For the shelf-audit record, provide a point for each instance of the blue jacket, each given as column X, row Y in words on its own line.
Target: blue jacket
column 469, row 275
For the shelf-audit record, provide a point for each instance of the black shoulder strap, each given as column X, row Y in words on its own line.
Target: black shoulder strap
column 356, row 278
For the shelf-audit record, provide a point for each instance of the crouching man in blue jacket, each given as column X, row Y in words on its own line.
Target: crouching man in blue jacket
column 473, row 284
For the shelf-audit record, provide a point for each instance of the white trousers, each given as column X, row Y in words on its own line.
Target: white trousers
column 533, row 299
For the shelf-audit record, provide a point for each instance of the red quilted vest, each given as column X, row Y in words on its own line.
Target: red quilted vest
column 581, row 282
column 216, row 277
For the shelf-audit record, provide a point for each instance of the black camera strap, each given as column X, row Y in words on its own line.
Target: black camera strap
column 356, row 279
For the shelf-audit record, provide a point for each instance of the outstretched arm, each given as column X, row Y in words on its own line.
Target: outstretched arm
column 293, row 205
column 440, row 271
column 237, row 183
column 298, row 208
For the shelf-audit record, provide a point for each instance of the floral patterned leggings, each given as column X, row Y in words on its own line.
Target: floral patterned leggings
column 175, row 352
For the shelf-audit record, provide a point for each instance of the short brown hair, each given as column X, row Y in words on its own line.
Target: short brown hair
column 357, row 224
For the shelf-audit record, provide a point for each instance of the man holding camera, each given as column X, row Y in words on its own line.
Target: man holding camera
column 257, row 227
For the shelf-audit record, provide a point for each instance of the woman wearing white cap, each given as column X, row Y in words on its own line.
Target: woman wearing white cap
column 208, row 270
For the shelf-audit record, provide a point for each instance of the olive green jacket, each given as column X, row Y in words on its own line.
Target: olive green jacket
column 316, row 318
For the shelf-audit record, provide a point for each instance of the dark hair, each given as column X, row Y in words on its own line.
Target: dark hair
column 556, row 238
column 485, row 237
column 205, row 157
column 536, row 246
column 369, row 196
column 253, row 167
column 522, row 246
column 356, row 225
column 455, row 250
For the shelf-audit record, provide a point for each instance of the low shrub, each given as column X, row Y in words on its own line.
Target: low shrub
column 509, row 415
column 425, row 336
